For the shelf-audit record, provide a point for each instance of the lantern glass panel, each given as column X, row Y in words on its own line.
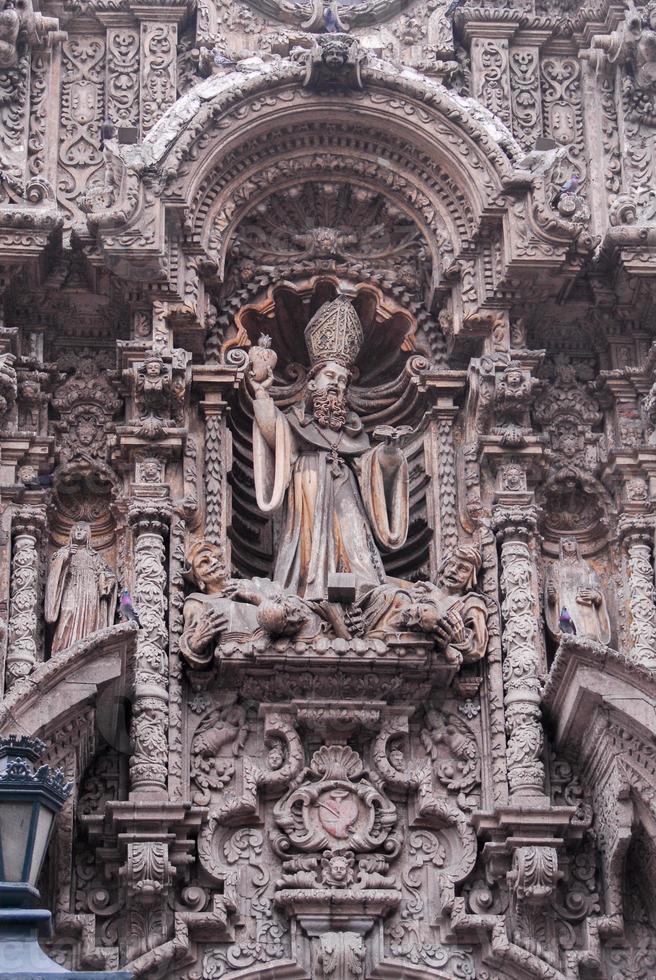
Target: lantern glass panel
column 41, row 837
column 15, row 823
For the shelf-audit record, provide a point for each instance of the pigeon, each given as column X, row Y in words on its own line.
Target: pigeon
column 330, row 21
column 107, row 132
column 569, row 187
column 39, row 482
column 127, row 609
column 566, row 622
column 221, row 60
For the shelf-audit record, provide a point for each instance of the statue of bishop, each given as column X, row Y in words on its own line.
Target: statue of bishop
column 80, row 591
column 340, row 497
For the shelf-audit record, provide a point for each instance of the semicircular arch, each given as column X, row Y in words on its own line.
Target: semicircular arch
column 437, row 154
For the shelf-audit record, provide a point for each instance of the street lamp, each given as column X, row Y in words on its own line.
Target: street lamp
column 29, row 802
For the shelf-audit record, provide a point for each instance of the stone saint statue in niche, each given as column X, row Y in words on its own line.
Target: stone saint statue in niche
column 573, row 595
column 341, row 498
column 80, row 591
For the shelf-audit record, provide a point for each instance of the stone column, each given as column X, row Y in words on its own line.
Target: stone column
column 218, row 456
column 149, row 520
column 215, row 470
column 522, row 664
column 446, row 459
column 637, row 537
column 24, row 618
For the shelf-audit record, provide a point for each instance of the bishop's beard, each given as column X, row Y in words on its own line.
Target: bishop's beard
column 329, row 409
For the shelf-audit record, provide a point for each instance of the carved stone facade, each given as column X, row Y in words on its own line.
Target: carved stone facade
column 328, row 481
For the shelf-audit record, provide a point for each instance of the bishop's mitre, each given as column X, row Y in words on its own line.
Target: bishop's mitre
column 334, row 333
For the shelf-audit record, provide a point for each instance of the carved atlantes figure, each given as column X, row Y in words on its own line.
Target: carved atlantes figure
column 239, row 608
column 573, row 586
column 340, row 497
column 153, row 386
column 448, row 611
column 80, row 591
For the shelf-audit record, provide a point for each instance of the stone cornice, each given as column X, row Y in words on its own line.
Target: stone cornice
column 32, row 704
column 585, row 675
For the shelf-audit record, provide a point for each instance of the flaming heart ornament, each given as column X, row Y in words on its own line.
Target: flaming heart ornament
column 263, row 359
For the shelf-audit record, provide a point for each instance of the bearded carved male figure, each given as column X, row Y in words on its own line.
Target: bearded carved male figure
column 340, row 497
column 80, row 590
column 342, row 501
column 238, row 608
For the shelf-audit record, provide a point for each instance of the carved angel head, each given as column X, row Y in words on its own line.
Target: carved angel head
column 337, row 869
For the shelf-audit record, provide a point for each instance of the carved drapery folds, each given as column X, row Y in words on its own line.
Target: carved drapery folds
column 342, row 351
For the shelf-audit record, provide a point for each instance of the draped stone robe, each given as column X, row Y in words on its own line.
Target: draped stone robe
column 80, row 595
column 340, row 498
column 569, row 576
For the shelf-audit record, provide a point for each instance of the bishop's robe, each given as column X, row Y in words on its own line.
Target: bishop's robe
column 340, row 498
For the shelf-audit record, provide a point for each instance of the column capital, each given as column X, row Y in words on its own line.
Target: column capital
column 29, row 520
column 514, row 521
column 150, row 516
column 636, row 529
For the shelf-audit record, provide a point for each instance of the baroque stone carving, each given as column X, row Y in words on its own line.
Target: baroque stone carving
column 317, row 442
column 334, row 60
column 360, row 558
column 521, row 671
column 20, row 25
column 24, row 631
column 573, row 596
column 632, row 45
column 86, row 404
column 81, row 590
column 221, row 729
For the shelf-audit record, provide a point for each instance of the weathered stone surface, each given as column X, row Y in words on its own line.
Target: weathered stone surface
column 327, row 481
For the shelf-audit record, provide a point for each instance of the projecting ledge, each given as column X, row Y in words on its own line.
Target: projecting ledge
column 587, row 676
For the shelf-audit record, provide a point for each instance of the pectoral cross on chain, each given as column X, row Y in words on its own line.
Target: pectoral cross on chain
column 334, row 460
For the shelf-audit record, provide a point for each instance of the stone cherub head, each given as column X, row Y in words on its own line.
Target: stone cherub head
column 337, row 869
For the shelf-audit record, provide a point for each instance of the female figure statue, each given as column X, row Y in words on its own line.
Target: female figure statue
column 574, row 602
column 80, row 591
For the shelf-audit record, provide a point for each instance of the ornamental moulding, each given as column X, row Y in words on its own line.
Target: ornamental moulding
column 453, row 169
